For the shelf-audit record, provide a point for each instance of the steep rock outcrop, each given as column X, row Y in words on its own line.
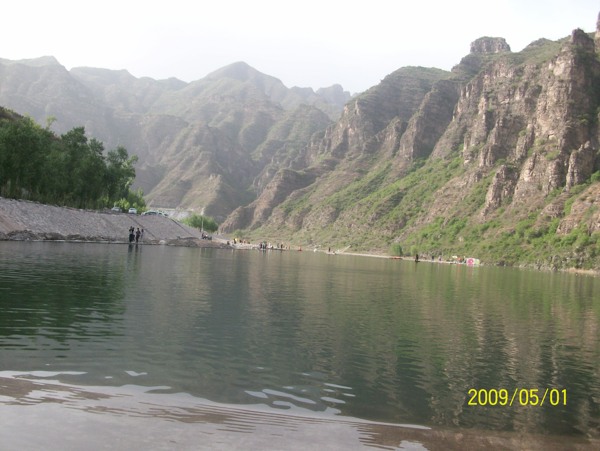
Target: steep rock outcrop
column 501, row 189
column 597, row 35
column 430, row 122
column 286, row 143
column 279, row 188
column 396, row 98
column 371, row 125
column 584, row 213
column 488, row 45
column 581, row 165
column 538, row 115
column 563, row 125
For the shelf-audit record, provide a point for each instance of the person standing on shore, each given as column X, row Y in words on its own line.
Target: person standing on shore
column 131, row 234
column 137, row 235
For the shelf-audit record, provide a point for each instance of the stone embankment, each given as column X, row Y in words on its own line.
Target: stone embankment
column 24, row 220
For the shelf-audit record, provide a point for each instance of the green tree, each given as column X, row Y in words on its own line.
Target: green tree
column 120, row 173
column 201, row 222
column 396, row 250
column 69, row 170
column 89, row 175
column 22, row 145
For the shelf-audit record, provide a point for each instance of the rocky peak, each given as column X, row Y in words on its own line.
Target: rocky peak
column 597, row 38
column 580, row 38
column 34, row 62
column 487, row 45
column 335, row 95
column 238, row 71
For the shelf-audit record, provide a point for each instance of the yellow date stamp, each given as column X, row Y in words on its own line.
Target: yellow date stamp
column 517, row 397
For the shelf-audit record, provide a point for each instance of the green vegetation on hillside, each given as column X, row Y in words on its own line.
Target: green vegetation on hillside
column 394, row 217
column 497, row 185
column 201, row 222
column 69, row 170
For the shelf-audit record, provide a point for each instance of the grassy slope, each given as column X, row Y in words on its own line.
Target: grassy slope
column 377, row 210
column 376, row 213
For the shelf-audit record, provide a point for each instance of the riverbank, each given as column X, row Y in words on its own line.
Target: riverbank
column 31, row 221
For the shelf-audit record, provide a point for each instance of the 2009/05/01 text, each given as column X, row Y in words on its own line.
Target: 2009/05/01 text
column 517, row 397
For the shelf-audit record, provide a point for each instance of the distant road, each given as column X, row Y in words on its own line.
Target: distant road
column 24, row 220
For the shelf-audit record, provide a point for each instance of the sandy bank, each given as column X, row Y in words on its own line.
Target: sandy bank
column 23, row 220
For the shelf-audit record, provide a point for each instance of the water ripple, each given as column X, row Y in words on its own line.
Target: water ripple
column 370, row 338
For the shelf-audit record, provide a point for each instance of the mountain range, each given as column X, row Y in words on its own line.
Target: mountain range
column 496, row 158
column 201, row 145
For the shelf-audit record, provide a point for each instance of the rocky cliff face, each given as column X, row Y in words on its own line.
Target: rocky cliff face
column 518, row 115
column 531, row 123
column 545, row 124
column 361, row 132
column 512, row 137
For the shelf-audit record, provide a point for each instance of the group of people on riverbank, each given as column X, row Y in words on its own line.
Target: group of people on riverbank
column 269, row 246
column 135, row 234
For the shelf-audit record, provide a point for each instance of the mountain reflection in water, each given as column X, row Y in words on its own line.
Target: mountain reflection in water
column 297, row 341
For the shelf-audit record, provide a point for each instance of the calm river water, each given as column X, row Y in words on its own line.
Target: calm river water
column 324, row 336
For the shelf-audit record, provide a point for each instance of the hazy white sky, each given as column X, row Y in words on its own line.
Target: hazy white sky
column 306, row 43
